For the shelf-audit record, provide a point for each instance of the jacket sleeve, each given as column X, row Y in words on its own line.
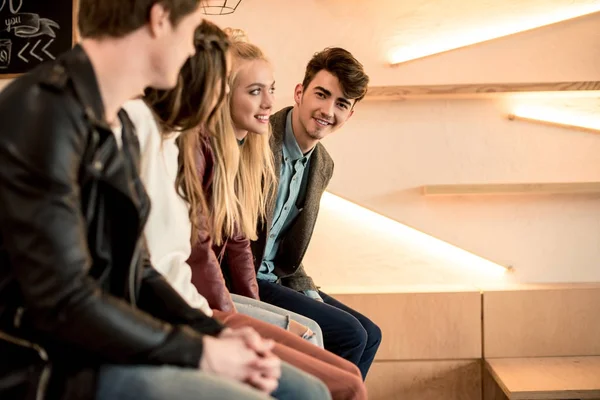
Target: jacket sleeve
column 240, row 261
column 44, row 234
column 206, row 270
column 299, row 281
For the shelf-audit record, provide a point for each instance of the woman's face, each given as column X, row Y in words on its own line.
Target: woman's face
column 252, row 98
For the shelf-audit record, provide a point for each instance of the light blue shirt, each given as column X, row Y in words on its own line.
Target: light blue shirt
column 293, row 180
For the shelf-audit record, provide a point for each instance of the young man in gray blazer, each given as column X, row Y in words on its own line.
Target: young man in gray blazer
column 333, row 84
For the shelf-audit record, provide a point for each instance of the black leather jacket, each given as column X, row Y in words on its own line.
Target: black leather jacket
column 74, row 269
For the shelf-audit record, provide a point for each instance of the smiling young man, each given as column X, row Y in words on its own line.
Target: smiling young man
column 333, row 84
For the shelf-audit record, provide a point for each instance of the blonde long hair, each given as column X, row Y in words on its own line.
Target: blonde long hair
column 244, row 178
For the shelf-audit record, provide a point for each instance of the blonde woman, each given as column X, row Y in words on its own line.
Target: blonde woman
column 238, row 179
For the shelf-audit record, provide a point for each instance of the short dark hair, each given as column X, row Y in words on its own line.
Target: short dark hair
column 342, row 64
column 117, row 18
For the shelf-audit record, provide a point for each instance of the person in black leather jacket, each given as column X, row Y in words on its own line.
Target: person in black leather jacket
column 83, row 314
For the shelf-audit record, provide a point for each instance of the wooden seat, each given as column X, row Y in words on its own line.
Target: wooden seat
column 431, row 348
column 542, row 378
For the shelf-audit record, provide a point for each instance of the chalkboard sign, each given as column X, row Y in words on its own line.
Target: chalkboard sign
column 33, row 32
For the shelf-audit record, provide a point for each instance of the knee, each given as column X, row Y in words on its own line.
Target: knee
column 374, row 334
column 358, row 336
column 349, row 334
column 355, row 389
column 354, row 370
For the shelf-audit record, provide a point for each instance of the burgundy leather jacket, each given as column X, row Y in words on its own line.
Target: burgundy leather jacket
column 206, row 259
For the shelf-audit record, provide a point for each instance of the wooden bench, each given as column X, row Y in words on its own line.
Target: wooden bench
column 431, row 348
column 543, row 378
column 542, row 342
column 558, row 320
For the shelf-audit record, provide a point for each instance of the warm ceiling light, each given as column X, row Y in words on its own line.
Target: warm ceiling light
column 474, row 35
column 380, row 226
column 220, row 7
column 567, row 118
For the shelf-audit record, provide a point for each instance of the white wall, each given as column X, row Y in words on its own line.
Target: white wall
column 291, row 31
column 390, row 148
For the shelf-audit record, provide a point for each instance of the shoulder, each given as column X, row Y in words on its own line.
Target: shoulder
column 145, row 126
column 278, row 121
column 42, row 92
column 42, row 122
column 280, row 115
column 325, row 158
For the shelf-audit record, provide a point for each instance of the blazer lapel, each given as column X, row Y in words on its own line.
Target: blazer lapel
column 316, row 181
column 278, row 121
column 296, row 241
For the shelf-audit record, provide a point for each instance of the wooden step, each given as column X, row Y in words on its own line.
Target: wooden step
column 545, row 378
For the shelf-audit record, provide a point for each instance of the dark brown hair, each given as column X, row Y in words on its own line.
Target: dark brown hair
column 342, row 64
column 188, row 108
column 117, row 18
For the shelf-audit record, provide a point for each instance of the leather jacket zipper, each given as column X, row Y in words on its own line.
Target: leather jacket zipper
column 132, row 273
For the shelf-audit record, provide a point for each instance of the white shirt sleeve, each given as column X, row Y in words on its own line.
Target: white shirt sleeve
column 168, row 229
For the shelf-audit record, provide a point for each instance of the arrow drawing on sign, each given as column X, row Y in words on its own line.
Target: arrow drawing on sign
column 46, row 51
column 33, row 48
column 21, row 53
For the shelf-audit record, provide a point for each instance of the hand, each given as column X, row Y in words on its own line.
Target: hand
column 228, row 357
column 231, row 357
column 300, row 330
column 251, row 338
column 266, row 373
column 267, row 370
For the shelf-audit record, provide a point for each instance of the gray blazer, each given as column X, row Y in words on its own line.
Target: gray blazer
column 288, row 262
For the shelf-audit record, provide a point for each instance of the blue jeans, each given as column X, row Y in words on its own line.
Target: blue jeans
column 346, row 332
column 135, row 382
